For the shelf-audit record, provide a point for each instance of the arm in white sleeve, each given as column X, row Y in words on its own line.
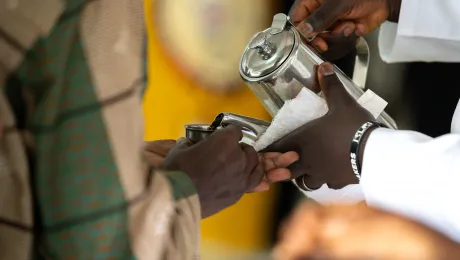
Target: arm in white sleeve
column 414, row 175
column 428, row 30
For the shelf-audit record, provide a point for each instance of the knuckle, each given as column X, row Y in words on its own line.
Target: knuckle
column 317, row 19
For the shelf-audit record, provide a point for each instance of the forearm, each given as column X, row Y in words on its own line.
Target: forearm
column 414, row 175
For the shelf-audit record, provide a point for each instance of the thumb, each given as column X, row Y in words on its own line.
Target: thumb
column 323, row 17
column 333, row 90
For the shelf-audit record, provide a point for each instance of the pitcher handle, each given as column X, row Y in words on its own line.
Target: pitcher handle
column 361, row 63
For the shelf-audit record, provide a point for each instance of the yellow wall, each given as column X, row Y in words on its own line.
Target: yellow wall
column 173, row 100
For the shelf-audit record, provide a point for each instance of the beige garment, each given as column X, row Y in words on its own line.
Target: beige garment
column 164, row 221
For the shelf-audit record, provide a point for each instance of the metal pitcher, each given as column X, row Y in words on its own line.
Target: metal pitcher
column 280, row 55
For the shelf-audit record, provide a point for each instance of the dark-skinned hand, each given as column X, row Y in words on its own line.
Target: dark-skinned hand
column 156, row 151
column 346, row 19
column 223, row 170
column 359, row 232
column 323, row 144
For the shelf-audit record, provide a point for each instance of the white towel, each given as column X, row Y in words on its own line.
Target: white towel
column 304, row 108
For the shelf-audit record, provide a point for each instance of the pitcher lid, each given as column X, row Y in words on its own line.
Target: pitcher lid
column 268, row 50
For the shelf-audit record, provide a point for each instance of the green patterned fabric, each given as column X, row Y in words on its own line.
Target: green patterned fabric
column 73, row 107
column 181, row 185
column 75, row 173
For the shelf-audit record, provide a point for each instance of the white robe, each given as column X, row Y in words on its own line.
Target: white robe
column 408, row 172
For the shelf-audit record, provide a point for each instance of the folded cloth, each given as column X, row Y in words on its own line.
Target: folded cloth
column 308, row 106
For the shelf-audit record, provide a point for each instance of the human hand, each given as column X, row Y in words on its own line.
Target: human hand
column 359, row 232
column 223, row 170
column 323, row 144
column 344, row 18
column 156, row 151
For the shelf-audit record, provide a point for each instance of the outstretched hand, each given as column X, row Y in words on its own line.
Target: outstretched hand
column 359, row 232
column 221, row 168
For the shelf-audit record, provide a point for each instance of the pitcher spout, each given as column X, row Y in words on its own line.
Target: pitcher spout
column 251, row 127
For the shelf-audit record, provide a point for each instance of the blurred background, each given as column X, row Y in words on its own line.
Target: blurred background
column 193, row 54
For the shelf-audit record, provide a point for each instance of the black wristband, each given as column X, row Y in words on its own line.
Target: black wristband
column 356, row 144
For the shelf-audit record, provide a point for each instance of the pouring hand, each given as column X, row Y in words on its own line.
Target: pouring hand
column 359, row 232
column 344, row 17
column 223, row 170
column 324, row 144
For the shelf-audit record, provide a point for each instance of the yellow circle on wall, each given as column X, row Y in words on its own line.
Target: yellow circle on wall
column 206, row 38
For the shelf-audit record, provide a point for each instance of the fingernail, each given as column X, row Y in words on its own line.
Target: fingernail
column 183, row 140
column 326, row 69
column 306, row 29
column 262, row 187
column 265, row 187
column 318, row 47
column 348, row 31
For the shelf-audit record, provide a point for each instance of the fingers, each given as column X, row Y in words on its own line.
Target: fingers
column 324, row 16
column 301, row 9
column 275, row 160
column 156, row 151
column 256, row 180
column 154, row 160
column 278, row 175
column 297, row 169
column 337, row 43
column 273, row 165
column 255, row 170
column 252, row 158
column 182, row 143
column 320, row 44
column 263, row 186
column 160, row 147
column 369, row 24
column 283, row 145
column 344, row 28
column 333, row 90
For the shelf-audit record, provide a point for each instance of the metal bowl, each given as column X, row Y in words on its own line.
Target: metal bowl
column 197, row 132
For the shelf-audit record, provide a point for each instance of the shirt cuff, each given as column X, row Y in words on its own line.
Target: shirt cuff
column 181, row 185
column 386, row 155
column 425, row 32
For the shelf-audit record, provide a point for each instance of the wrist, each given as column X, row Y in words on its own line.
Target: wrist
column 358, row 144
column 394, row 7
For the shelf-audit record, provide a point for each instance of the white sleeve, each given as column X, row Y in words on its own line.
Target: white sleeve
column 428, row 30
column 414, row 175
